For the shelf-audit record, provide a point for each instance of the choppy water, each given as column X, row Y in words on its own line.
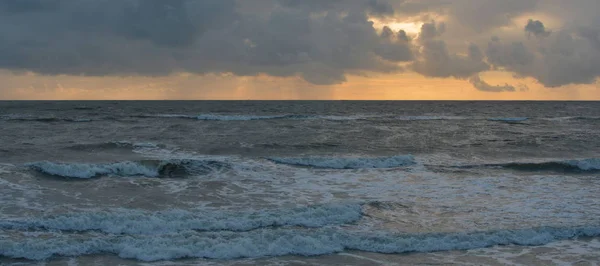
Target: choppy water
column 302, row 183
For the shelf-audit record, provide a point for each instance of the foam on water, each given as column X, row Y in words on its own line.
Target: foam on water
column 348, row 162
column 93, row 170
column 586, row 164
column 147, row 168
column 5, row 168
column 270, row 242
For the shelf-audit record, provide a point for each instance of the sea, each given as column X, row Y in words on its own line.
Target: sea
column 299, row 183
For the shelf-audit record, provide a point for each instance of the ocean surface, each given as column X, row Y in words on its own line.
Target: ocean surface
column 299, row 183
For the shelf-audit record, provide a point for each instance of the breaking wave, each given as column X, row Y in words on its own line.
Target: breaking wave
column 272, row 242
column 348, row 162
column 124, row 221
column 146, row 168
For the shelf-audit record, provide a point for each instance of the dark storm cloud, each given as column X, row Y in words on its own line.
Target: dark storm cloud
column 536, row 28
column 318, row 40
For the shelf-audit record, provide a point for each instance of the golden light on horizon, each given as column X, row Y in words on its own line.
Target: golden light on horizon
column 393, row 86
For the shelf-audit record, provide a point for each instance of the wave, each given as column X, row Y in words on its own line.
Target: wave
column 587, row 118
column 124, row 221
column 572, row 118
column 509, row 119
column 426, row 118
column 585, row 165
column 315, row 145
column 567, row 166
column 214, row 117
column 273, row 242
column 115, row 145
column 46, row 119
column 147, row 168
column 347, row 162
column 217, row 117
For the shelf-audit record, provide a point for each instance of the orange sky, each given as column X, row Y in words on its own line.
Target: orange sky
column 402, row 86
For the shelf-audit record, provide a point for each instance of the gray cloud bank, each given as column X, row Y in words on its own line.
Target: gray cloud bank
column 320, row 41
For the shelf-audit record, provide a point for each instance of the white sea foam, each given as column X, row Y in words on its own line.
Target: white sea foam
column 585, row 164
column 123, row 221
column 6, row 168
column 85, row 170
column 272, row 242
column 348, row 162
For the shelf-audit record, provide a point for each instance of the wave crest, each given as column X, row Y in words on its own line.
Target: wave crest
column 147, row 168
column 44, row 119
column 114, row 145
column 585, row 165
column 216, row 117
column 138, row 222
column 347, row 162
column 220, row 117
column 275, row 242
column 566, row 166
column 509, row 119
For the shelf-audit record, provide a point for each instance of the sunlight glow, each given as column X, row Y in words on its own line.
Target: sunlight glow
column 410, row 27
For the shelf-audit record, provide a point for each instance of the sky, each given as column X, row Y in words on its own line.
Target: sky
column 300, row 49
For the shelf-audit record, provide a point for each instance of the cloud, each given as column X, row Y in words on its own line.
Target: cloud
column 372, row 7
column 536, row 28
column 321, row 41
column 431, row 31
column 482, row 15
column 566, row 57
column 435, row 60
column 484, row 86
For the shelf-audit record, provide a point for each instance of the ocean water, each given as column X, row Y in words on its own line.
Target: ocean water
column 299, row 183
